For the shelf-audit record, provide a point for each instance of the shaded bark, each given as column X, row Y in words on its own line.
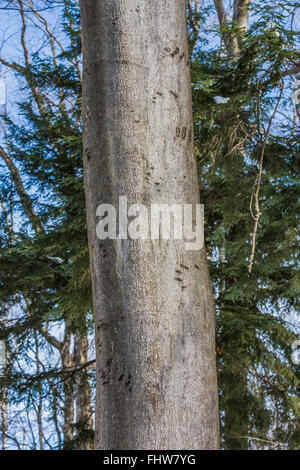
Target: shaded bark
column 153, row 304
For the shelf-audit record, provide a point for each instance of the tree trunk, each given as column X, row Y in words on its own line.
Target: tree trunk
column 3, row 401
column 68, row 392
column 84, row 413
column 39, row 411
column 233, row 39
column 153, row 304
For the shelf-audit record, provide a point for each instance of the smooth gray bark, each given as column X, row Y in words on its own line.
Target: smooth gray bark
column 153, row 303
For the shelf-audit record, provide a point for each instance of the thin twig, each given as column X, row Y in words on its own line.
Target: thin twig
column 277, row 444
column 255, row 195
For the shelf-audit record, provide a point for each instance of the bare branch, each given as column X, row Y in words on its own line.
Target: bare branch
column 51, row 339
column 24, row 198
column 38, row 98
column 276, row 444
column 255, row 196
column 194, row 19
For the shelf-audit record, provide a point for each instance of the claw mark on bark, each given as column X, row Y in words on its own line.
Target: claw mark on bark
column 127, row 384
column 103, row 251
column 174, row 94
column 175, row 52
column 184, row 267
column 87, row 154
column 204, row 306
column 181, row 132
column 148, row 171
column 154, row 98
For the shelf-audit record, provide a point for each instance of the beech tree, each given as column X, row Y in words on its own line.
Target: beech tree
column 153, row 304
column 246, row 107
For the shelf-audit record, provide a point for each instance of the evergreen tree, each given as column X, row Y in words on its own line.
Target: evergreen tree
column 248, row 168
column 44, row 274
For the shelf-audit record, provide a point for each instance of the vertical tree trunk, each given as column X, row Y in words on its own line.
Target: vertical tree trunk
column 3, row 405
column 153, row 304
column 3, row 401
column 39, row 411
column 67, row 361
column 84, row 414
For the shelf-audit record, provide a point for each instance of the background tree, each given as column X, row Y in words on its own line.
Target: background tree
column 44, row 274
column 246, row 129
